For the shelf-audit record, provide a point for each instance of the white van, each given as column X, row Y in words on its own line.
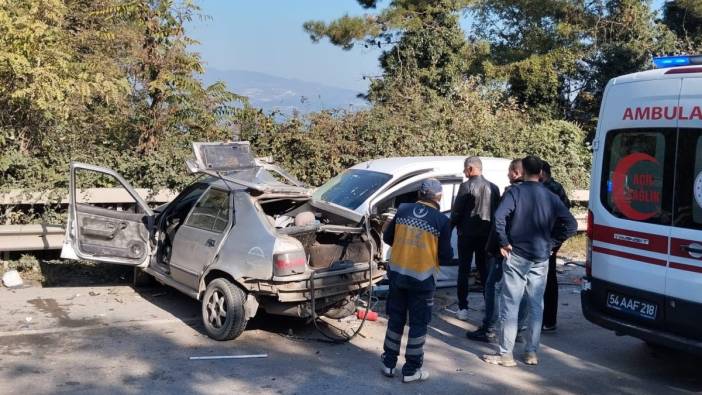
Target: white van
column 644, row 258
column 379, row 186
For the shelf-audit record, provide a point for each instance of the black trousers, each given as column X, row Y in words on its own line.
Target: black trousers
column 551, row 293
column 404, row 303
column 468, row 246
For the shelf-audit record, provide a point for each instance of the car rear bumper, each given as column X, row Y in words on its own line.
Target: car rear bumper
column 656, row 333
column 292, row 295
column 323, row 284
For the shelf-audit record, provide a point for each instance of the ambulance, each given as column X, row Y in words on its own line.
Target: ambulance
column 644, row 254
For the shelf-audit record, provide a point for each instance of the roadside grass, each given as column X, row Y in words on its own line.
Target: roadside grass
column 574, row 248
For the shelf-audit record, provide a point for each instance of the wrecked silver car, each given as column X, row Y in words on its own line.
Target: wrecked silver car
column 245, row 235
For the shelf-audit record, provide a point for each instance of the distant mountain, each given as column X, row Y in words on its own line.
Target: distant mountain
column 285, row 95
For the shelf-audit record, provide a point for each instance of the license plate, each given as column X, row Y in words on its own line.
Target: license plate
column 634, row 306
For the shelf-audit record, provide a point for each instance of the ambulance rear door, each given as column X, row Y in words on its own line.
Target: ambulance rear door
column 684, row 276
column 632, row 201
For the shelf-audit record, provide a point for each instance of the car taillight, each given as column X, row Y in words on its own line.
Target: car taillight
column 290, row 262
column 588, row 249
column 288, row 257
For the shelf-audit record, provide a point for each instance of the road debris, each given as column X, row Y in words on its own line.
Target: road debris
column 371, row 316
column 230, row 357
column 12, row 279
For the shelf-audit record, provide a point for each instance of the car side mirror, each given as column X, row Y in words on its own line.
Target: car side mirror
column 192, row 166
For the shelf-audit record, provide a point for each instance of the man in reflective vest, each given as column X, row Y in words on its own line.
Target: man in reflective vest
column 420, row 236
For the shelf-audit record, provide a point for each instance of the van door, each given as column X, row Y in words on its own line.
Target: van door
column 632, row 222
column 101, row 234
column 684, row 276
column 406, row 192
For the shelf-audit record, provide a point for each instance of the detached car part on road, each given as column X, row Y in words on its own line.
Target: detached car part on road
column 245, row 234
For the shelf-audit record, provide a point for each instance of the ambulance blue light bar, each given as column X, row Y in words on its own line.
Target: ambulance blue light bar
column 665, row 62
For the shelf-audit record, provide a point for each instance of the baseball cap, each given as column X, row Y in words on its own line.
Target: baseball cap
column 430, row 188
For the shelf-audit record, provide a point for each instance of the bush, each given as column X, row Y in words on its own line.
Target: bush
column 476, row 120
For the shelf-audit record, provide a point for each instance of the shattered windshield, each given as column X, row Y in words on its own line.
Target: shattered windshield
column 351, row 188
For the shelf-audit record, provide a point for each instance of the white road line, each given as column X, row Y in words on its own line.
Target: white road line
column 124, row 324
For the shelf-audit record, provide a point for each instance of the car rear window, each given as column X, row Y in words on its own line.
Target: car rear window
column 688, row 188
column 637, row 174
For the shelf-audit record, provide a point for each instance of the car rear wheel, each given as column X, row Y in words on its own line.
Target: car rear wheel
column 223, row 310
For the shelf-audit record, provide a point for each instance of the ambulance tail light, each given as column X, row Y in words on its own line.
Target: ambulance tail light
column 588, row 248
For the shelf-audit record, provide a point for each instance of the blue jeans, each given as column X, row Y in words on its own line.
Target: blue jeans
column 522, row 276
column 403, row 301
column 493, row 294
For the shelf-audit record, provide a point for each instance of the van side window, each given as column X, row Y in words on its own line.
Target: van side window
column 637, row 174
column 688, row 188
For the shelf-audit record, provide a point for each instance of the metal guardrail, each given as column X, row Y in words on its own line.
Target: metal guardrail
column 579, row 195
column 30, row 237
column 91, row 195
column 50, row 237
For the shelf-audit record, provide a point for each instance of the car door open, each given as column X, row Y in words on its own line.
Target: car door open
column 102, row 234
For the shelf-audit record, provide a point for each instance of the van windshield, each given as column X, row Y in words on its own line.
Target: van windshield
column 351, row 188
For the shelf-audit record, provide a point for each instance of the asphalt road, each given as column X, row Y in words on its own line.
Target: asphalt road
column 124, row 341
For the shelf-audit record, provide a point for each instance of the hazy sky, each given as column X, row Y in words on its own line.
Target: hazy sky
column 267, row 36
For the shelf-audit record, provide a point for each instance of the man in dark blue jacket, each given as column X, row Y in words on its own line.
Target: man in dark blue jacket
column 529, row 221
column 420, row 236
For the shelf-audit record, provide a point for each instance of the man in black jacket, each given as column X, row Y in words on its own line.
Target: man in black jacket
column 471, row 214
column 551, row 294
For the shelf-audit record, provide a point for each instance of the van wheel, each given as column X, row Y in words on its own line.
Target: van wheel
column 223, row 310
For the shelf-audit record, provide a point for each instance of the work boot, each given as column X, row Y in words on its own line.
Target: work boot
column 530, row 358
column 388, row 372
column 419, row 375
column 462, row 314
column 502, row 360
column 482, row 335
column 547, row 328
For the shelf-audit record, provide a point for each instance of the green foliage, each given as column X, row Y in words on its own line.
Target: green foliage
column 684, row 18
column 557, row 55
column 101, row 81
column 114, row 83
column 422, row 39
column 476, row 120
column 26, row 263
column 553, row 56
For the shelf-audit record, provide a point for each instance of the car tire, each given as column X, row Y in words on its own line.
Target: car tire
column 223, row 310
